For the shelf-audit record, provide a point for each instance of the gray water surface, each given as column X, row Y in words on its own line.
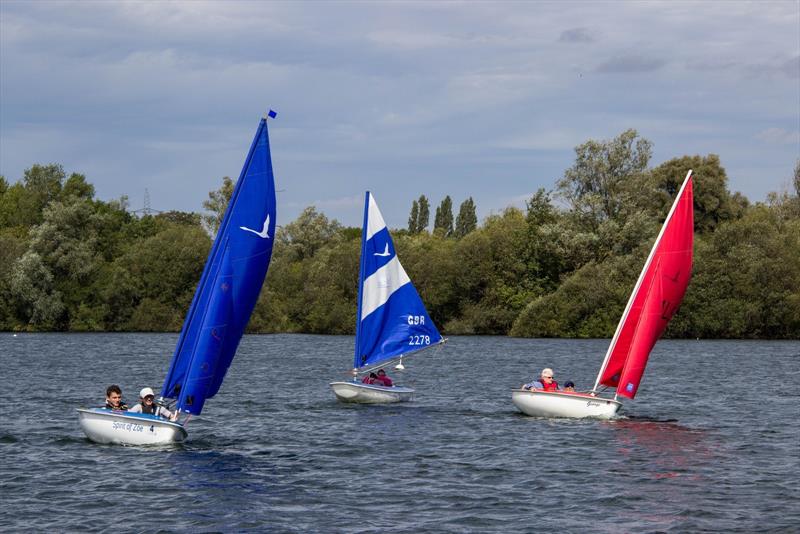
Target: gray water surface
column 711, row 443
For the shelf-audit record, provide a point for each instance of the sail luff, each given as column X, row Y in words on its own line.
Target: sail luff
column 623, row 320
column 211, row 265
column 361, row 269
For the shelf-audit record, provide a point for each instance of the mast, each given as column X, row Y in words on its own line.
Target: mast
column 361, row 265
column 638, row 285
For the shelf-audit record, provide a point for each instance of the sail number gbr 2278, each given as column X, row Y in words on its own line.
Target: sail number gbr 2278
column 414, row 320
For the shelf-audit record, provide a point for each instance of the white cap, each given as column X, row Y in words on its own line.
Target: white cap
column 145, row 392
column 547, row 372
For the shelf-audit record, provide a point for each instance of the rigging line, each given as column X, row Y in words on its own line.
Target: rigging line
column 386, row 363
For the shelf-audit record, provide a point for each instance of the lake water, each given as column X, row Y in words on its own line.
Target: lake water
column 712, row 442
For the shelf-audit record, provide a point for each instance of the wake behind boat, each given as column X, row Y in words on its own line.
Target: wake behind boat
column 391, row 320
column 656, row 297
column 223, row 301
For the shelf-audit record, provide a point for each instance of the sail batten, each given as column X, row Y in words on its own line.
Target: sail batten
column 229, row 286
column 391, row 318
column 655, row 298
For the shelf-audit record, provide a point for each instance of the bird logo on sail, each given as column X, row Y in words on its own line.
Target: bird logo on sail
column 384, row 253
column 263, row 233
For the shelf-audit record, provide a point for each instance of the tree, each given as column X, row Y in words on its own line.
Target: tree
column 597, row 187
column 713, row 203
column 309, row 233
column 76, row 186
column 413, row 218
column 467, row 220
column 444, row 217
column 217, row 203
column 424, row 214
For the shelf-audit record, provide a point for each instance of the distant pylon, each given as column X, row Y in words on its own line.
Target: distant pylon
column 146, row 210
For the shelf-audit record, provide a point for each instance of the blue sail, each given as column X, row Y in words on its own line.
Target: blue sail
column 230, row 284
column 392, row 319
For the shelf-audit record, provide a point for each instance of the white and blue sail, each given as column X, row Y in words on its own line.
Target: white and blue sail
column 392, row 320
column 230, row 284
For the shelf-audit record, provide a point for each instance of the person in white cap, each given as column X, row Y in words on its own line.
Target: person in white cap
column 147, row 405
column 545, row 382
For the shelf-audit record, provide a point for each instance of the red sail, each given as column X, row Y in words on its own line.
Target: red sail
column 656, row 298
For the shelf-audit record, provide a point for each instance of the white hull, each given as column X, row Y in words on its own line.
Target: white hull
column 126, row 428
column 370, row 394
column 561, row 404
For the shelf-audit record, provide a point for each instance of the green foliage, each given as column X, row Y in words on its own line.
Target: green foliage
column 443, row 222
column 424, row 214
column 467, row 219
column 605, row 178
column 419, row 217
column 217, row 203
column 713, row 203
column 71, row 262
column 413, row 218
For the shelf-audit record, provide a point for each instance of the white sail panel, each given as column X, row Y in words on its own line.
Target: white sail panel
column 381, row 284
column 375, row 221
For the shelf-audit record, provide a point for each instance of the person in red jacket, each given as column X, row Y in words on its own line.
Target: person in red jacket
column 383, row 379
column 545, row 382
column 370, row 379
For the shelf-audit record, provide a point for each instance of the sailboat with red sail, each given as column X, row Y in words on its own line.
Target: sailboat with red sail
column 656, row 297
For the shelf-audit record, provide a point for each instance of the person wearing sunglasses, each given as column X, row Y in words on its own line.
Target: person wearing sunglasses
column 544, row 382
column 147, row 405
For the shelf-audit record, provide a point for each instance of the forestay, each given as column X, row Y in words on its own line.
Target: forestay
column 230, row 284
column 391, row 319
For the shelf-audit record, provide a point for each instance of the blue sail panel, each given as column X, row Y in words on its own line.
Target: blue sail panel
column 401, row 326
column 211, row 342
column 392, row 319
column 248, row 230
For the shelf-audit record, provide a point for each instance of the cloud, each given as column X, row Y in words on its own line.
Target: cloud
column 577, row 35
column 631, row 64
column 779, row 136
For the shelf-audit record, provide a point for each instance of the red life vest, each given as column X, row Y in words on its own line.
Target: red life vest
column 552, row 386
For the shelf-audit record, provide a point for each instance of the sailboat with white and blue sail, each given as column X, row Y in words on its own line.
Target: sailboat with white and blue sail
column 391, row 320
column 220, row 310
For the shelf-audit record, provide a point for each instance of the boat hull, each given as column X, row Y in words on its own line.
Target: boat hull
column 126, row 428
column 539, row 403
column 370, row 394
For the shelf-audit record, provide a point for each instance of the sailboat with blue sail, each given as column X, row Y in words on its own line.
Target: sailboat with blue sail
column 220, row 310
column 391, row 321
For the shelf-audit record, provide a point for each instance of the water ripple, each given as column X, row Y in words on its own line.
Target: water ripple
column 700, row 449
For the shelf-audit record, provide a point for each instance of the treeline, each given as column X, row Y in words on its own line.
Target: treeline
column 563, row 267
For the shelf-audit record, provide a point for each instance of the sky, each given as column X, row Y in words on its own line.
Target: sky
column 487, row 100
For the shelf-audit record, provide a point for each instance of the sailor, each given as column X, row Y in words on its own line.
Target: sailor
column 114, row 399
column 369, row 379
column 544, row 382
column 383, row 379
column 147, row 405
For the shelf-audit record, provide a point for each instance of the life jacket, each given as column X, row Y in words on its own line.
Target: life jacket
column 152, row 409
column 121, row 408
column 552, row 386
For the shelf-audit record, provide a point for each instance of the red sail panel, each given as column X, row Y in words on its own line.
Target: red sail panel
column 657, row 298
